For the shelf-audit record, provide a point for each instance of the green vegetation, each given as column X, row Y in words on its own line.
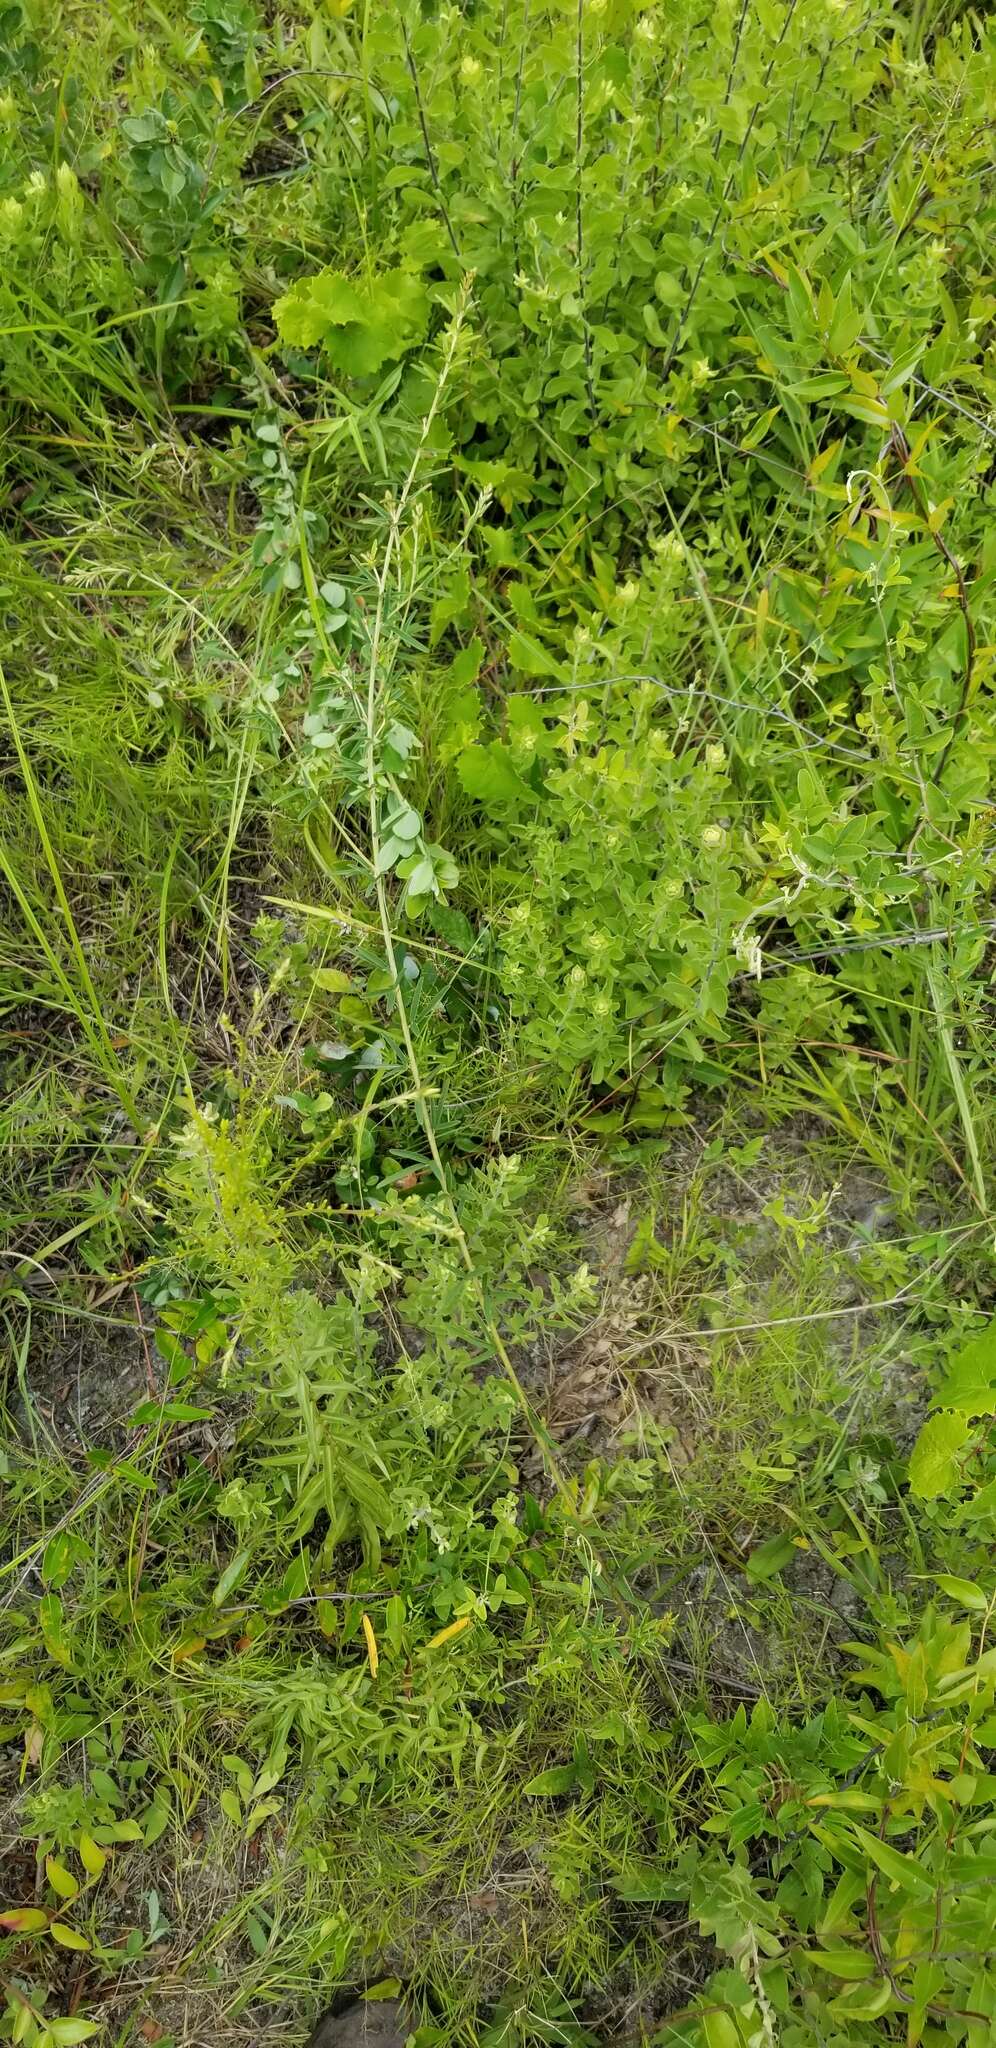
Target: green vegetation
column 497, row 576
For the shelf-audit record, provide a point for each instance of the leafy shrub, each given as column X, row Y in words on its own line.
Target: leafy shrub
column 859, row 1887
column 620, row 948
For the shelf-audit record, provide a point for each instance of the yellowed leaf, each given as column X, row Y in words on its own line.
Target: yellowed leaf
column 60, row 1879
column 92, row 1856
column 68, row 1937
column 446, row 1635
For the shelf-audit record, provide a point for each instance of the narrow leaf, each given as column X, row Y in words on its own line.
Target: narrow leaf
column 370, row 1639
column 901, row 1870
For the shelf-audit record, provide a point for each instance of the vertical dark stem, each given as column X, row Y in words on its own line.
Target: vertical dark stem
column 514, row 165
column 429, row 156
column 727, row 189
column 578, row 154
column 731, row 74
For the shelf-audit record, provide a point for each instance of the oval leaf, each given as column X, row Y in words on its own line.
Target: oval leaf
column 92, row 1857
column 770, row 1557
column 60, row 1879
column 965, row 1591
column 550, row 1784
column 68, row 1937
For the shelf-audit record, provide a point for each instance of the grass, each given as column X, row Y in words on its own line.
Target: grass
column 496, row 567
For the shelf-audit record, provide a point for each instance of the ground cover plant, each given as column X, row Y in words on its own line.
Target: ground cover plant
column 497, row 1309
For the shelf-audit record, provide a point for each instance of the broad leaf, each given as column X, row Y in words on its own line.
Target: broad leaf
column 971, row 1382
column 489, row 774
column 361, row 325
column 933, row 1466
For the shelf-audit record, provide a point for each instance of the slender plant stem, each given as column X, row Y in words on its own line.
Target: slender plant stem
column 579, row 210
column 429, row 151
